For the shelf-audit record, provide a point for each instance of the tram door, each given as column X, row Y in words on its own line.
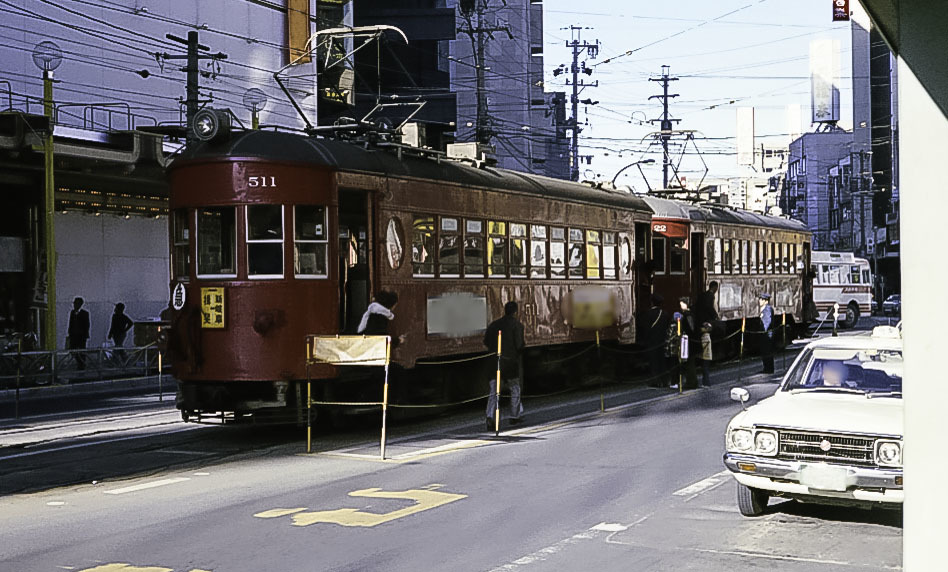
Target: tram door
column 698, row 269
column 353, row 252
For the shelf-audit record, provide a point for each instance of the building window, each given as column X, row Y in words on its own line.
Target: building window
column 658, row 254
column 265, row 241
column 496, row 249
column 181, row 240
column 557, row 252
column 423, row 245
column 473, row 248
column 217, row 242
column 538, row 251
column 311, row 240
column 536, row 51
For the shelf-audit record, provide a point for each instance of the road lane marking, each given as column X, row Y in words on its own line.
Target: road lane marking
column 123, row 567
column 794, row 558
column 424, row 499
column 703, row 486
column 144, row 486
column 609, row 527
column 544, row 554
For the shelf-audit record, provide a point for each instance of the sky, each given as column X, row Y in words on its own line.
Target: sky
column 752, row 52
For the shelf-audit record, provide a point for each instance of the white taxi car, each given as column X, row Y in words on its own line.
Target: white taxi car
column 832, row 432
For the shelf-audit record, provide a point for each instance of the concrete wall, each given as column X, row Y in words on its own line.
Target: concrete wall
column 107, row 259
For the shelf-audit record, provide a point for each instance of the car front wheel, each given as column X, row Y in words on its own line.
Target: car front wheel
column 751, row 502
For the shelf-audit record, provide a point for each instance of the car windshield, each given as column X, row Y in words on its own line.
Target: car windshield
column 871, row 371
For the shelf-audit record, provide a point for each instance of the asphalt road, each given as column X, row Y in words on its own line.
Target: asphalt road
column 639, row 487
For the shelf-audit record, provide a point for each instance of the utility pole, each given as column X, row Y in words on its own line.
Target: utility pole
column 578, row 48
column 469, row 9
column 665, row 121
column 192, row 102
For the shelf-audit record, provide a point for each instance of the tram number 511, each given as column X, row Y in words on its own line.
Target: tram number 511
column 253, row 182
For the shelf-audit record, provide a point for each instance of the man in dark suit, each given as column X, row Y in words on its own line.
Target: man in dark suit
column 653, row 325
column 78, row 332
column 511, row 345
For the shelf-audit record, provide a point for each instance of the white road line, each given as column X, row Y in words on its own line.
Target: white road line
column 703, row 485
column 144, row 486
column 102, row 442
column 601, row 529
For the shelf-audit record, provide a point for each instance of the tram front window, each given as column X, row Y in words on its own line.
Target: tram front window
column 265, row 241
column 217, row 242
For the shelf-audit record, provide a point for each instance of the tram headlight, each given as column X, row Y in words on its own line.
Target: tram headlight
column 209, row 124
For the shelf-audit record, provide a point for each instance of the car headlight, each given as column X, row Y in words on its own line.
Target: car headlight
column 765, row 442
column 889, row 453
column 740, row 440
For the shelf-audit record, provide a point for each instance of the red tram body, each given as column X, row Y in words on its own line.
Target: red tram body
column 276, row 236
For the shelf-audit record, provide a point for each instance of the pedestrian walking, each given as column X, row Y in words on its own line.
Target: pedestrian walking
column 511, row 368
column 119, row 328
column 706, row 354
column 690, row 330
column 78, row 332
column 653, row 326
column 767, row 342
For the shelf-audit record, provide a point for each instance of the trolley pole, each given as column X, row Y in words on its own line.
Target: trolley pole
column 497, row 402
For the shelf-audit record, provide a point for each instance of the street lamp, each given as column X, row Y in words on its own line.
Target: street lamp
column 635, row 164
column 47, row 56
column 254, row 101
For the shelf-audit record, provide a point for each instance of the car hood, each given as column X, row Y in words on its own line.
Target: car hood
column 830, row 412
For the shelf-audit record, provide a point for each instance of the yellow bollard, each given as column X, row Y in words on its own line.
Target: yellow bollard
column 160, row 393
column 497, row 409
column 309, row 416
column 388, row 357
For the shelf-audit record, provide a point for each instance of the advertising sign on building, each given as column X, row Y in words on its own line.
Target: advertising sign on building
column 824, row 80
column 745, row 135
column 840, row 10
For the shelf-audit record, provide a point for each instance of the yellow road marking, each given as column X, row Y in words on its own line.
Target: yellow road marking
column 122, row 567
column 424, row 499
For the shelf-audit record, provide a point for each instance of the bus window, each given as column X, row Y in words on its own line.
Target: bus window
column 265, row 241
column 423, row 245
column 834, row 274
column 473, row 248
column 496, row 249
column 854, row 275
column 593, row 254
column 217, row 242
column 658, row 254
column 311, row 238
column 181, row 239
column 538, row 251
column 678, row 256
column 865, row 276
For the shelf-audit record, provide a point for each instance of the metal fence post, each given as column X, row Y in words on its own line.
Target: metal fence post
column 19, row 358
column 160, row 393
column 740, row 353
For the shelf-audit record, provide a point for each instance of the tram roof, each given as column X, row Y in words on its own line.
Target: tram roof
column 342, row 155
column 719, row 214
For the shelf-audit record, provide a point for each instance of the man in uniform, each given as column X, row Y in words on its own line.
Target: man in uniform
column 511, row 345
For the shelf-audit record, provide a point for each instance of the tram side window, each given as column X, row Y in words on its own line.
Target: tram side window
column 217, row 241
column 265, row 240
column 449, row 257
column 181, row 240
column 771, row 251
column 496, row 249
column 787, row 267
column 718, row 261
column 423, row 245
column 557, row 253
column 538, row 251
column 745, row 262
column 678, row 256
column 518, row 250
column 658, row 254
column 727, row 256
column 752, row 261
column 310, row 241
column 575, row 253
column 609, row 255
column 799, row 257
column 473, row 248
column 593, row 254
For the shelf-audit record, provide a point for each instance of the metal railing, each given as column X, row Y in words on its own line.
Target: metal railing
column 43, row 368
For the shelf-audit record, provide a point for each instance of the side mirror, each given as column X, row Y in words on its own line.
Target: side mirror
column 740, row 394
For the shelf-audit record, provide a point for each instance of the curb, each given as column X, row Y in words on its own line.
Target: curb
column 168, row 383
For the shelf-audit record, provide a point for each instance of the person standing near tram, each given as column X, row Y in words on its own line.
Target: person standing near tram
column 766, row 343
column 511, row 368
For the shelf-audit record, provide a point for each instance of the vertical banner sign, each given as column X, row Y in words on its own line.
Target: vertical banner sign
column 840, row 10
column 745, row 135
column 297, row 29
column 212, row 308
column 824, row 80
column 794, row 121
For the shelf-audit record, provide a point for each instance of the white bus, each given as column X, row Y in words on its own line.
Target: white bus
column 841, row 278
